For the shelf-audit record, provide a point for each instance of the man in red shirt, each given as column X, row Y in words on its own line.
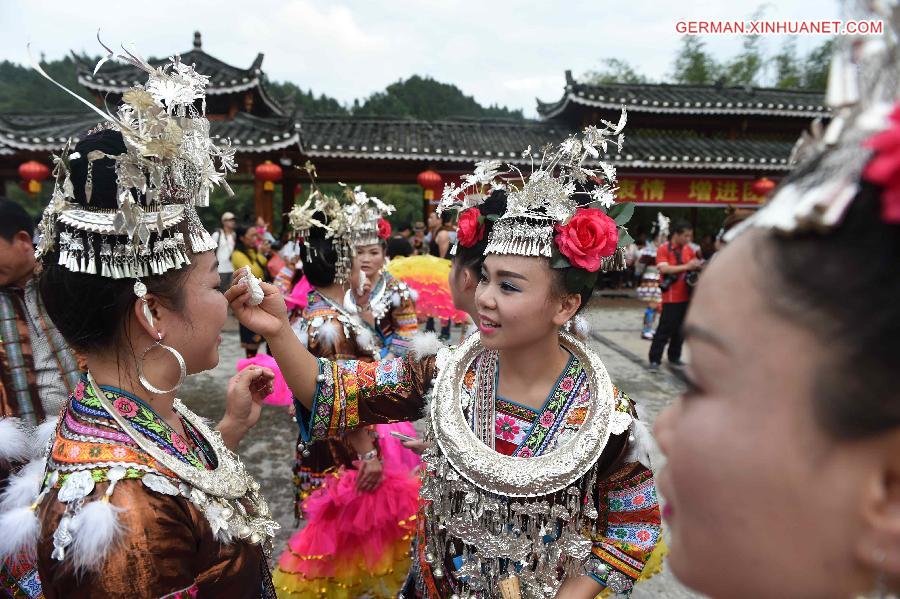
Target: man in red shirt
column 674, row 260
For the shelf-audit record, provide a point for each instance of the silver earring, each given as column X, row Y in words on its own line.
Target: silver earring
column 148, row 314
column 881, row 590
column 178, row 358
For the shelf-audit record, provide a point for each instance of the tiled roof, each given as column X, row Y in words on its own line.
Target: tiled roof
column 468, row 141
column 223, row 78
column 688, row 99
column 407, row 139
column 48, row 132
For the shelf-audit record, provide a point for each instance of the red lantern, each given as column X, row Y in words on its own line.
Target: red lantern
column 32, row 173
column 431, row 181
column 268, row 172
column 763, row 186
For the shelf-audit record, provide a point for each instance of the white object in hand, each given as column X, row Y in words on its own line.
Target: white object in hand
column 256, row 291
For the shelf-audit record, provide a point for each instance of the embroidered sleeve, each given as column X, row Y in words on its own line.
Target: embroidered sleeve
column 405, row 324
column 633, row 528
column 355, row 393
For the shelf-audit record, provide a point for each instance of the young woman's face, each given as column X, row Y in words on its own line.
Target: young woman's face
column 434, row 220
column 195, row 330
column 370, row 258
column 515, row 302
column 250, row 238
column 760, row 501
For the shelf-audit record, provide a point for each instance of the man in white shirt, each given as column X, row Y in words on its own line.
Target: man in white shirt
column 225, row 238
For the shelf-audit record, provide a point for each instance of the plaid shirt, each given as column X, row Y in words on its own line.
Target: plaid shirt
column 37, row 369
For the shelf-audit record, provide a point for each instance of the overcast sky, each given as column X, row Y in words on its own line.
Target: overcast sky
column 499, row 51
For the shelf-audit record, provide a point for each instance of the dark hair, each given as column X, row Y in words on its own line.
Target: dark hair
column 320, row 258
column 843, row 287
column 404, row 225
column 679, row 227
column 239, row 233
column 13, row 219
column 447, row 218
column 559, row 289
column 399, row 246
column 473, row 257
column 91, row 311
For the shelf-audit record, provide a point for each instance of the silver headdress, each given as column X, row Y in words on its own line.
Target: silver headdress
column 863, row 90
column 548, row 198
column 325, row 213
column 366, row 213
column 169, row 166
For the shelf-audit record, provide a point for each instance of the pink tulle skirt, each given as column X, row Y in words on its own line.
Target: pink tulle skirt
column 356, row 542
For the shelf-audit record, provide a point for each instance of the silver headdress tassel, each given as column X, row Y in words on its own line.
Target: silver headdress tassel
column 325, row 212
column 863, row 89
column 550, row 195
column 366, row 212
column 169, row 167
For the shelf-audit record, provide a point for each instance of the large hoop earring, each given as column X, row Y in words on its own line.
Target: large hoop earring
column 178, row 358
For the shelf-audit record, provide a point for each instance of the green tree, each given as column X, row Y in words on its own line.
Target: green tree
column 291, row 95
column 427, row 99
column 614, row 70
column 22, row 89
column 816, row 65
column 693, row 64
column 788, row 70
column 746, row 68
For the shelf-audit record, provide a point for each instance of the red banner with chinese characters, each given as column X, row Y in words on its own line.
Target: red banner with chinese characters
column 661, row 190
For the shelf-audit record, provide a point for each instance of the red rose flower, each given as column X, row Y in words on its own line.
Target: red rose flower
column 468, row 230
column 884, row 168
column 587, row 238
column 384, row 229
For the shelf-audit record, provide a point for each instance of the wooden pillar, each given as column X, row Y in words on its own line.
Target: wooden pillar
column 262, row 202
column 288, row 186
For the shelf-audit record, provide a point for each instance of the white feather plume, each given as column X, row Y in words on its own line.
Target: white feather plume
column 364, row 338
column 425, row 344
column 329, row 333
column 14, row 442
column 19, row 532
column 300, row 329
column 413, row 295
column 94, row 532
column 40, row 440
column 22, row 489
column 640, row 449
column 396, row 299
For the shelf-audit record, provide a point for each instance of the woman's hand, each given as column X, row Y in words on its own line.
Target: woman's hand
column 243, row 403
column 416, row 446
column 369, row 475
column 268, row 318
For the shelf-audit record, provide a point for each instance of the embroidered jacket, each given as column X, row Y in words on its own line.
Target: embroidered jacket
column 167, row 546
column 394, row 308
column 358, row 393
column 331, row 333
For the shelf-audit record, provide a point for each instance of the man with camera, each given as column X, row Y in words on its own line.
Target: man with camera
column 678, row 266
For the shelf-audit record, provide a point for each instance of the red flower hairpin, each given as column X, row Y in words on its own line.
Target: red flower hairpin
column 884, row 168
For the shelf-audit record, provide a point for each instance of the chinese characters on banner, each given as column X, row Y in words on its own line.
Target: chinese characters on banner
column 688, row 191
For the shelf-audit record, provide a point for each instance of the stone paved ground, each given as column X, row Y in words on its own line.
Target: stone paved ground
column 268, row 448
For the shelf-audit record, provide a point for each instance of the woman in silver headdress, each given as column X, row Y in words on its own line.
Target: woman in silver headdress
column 135, row 495
column 537, row 482
column 388, row 304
